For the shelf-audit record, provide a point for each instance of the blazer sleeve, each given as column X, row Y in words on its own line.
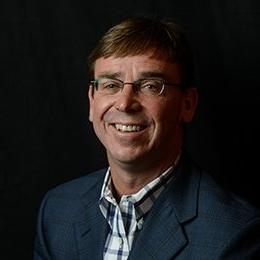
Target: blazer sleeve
column 41, row 251
column 245, row 244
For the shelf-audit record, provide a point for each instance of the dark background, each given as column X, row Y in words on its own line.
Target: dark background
column 46, row 138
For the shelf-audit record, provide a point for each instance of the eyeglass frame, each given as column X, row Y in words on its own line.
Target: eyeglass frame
column 136, row 86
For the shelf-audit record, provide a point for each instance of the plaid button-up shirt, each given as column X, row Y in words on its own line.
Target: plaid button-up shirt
column 126, row 217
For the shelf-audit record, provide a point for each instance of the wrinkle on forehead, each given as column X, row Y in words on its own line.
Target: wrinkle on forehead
column 135, row 67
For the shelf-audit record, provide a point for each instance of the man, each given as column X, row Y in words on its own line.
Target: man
column 152, row 202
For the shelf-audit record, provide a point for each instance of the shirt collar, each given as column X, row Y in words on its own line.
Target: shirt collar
column 145, row 197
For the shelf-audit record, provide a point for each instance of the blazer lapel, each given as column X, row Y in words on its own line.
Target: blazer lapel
column 91, row 232
column 91, row 235
column 163, row 235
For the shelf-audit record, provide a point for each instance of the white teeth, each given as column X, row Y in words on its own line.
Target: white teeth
column 128, row 128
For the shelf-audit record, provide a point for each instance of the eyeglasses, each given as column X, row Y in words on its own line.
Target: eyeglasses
column 147, row 87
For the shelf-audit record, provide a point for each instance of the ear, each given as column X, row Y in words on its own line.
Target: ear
column 91, row 100
column 190, row 101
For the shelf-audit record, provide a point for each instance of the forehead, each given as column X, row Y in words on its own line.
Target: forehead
column 136, row 66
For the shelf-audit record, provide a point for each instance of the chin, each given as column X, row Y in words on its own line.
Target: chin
column 125, row 157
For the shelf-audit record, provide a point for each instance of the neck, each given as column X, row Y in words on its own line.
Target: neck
column 130, row 178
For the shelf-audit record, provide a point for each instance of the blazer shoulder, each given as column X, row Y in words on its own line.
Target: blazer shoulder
column 219, row 203
column 80, row 185
column 226, row 224
column 68, row 200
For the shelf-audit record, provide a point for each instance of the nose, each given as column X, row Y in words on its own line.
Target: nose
column 127, row 100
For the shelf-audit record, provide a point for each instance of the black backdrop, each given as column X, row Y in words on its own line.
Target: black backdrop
column 45, row 133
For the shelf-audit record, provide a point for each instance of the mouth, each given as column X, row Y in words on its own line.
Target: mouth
column 129, row 128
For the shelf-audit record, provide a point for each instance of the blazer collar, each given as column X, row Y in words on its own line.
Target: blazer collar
column 184, row 189
column 162, row 235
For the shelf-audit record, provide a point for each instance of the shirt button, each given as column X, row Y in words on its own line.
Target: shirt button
column 140, row 224
column 121, row 242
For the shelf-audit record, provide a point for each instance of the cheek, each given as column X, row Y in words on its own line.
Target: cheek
column 170, row 122
column 90, row 115
column 95, row 114
column 170, row 112
column 97, row 110
column 165, row 120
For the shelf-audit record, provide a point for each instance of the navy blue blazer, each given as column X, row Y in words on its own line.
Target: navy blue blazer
column 193, row 218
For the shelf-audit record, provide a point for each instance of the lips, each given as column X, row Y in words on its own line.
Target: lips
column 128, row 127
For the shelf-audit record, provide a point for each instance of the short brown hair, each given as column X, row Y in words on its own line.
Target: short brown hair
column 135, row 36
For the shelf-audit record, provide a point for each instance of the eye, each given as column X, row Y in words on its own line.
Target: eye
column 152, row 86
column 111, row 85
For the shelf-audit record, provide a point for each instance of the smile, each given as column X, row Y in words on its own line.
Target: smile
column 128, row 128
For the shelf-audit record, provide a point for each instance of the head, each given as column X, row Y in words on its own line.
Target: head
column 138, row 129
column 135, row 36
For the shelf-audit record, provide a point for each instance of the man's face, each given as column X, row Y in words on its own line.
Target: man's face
column 134, row 129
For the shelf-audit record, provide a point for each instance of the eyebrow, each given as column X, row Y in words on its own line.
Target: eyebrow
column 153, row 74
column 145, row 74
column 109, row 75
